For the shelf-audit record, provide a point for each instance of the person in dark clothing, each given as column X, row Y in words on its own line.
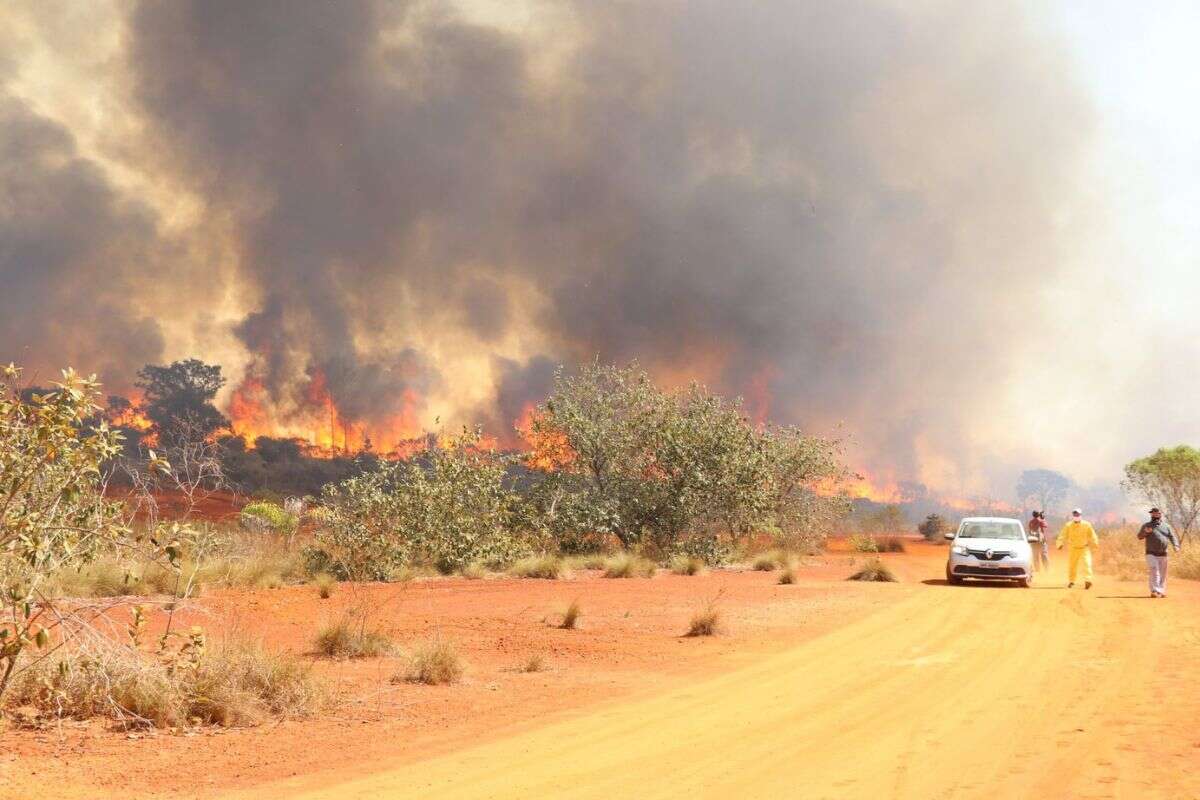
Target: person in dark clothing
column 1157, row 535
column 1039, row 545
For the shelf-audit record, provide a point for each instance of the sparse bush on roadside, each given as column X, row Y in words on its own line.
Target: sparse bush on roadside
column 933, row 528
column 891, row 544
column 862, row 543
column 351, row 636
column 534, row 663
column 628, row 565
column 432, row 663
column 550, row 567
column 788, row 576
column 687, row 565
column 874, row 570
column 706, row 621
column 237, row 684
column 570, row 618
column 766, row 562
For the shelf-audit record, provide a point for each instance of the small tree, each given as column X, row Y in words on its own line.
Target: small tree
column 178, row 399
column 53, row 515
column 932, row 528
column 1170, row 478
column 1042, row 488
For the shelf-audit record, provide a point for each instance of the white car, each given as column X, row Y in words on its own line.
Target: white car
column 990, row 548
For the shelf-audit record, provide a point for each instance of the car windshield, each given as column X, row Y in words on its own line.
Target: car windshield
column 991, row 530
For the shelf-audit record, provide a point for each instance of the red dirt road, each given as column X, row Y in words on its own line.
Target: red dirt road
column 825, row 689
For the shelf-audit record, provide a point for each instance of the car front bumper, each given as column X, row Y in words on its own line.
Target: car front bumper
column 1005, row 569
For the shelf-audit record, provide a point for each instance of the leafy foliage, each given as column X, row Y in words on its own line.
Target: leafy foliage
column 180, row 395
column 450, row 508
column 1170, row 478
column 53, row 515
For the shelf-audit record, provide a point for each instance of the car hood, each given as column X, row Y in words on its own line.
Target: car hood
column 999, row 545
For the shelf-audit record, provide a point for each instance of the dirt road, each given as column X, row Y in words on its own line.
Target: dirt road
column 953, row 692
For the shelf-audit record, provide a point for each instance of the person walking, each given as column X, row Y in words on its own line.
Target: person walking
column 1079, row 535
column 1157, row 534
column 1040, row 547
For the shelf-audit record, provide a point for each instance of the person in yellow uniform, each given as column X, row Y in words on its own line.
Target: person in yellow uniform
column 1080, row 537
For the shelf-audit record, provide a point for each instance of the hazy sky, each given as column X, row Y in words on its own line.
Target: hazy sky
column 965, row 231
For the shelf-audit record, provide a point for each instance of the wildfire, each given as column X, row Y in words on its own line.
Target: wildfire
column 547, row 450
column 317, row 419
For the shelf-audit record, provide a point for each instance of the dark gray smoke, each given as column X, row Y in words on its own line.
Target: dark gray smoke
column 839, row 205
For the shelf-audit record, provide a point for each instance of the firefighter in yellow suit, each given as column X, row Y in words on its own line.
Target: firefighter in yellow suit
column 1080, row 537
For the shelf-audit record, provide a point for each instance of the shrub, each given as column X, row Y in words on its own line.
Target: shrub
column 589, row 561
column 570, row 619
column 766, row 562
column 933, row 528
column 350, row 637
column 628, row 565
column 788, row 576
column 861, row 543
column 534, row 663
column 53, row 517
column 433, row 663
column 891, row 544
column 265, row 517
column 706, row 621
column 545, row 566
column 687, row 565
column 874, row 570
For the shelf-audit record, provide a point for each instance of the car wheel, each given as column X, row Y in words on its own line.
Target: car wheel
column 1025, row 583
column 951, row 578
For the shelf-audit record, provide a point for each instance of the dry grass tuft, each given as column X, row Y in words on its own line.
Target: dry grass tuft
column 766, row 562
column 570, row 619
column 687, row 565
column 628, row 565
column 351, row 637
column 891, row 544
column 788, row 576
column 535, row 663
column 474, row 571
column 432, row 663
column 325, row 584
column 237, row 684
column 706, row 621
column 874, row 570
column 549, row 567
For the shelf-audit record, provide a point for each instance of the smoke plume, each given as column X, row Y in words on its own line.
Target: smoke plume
column 838, row 210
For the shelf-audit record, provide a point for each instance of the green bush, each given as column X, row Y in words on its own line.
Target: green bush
column 861, row 543
column 264, row 517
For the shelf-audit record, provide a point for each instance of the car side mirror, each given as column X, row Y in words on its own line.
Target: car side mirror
column 948, row 537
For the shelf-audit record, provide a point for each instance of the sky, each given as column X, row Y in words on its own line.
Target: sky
column 960, row 236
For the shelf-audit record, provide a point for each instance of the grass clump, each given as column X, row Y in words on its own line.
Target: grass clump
column 350, row 637
column 570, row 618
column 534, row 663
column 687, row 565
column 628, row 565
column 325, row 584
column 589, row 561
column 861, row 543
column 766, row 562
column 788, row 576
column 474, row 571
column 237, row 684
column 432, row 663
column 891, row 544
column 706, row 621
column 874, row 570
column 549, row 567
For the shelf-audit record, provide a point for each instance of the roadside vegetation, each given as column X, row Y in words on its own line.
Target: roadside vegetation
column 619, row 477
column 1123, row 556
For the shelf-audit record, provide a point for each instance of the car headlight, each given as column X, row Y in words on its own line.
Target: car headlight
column 959, row 549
